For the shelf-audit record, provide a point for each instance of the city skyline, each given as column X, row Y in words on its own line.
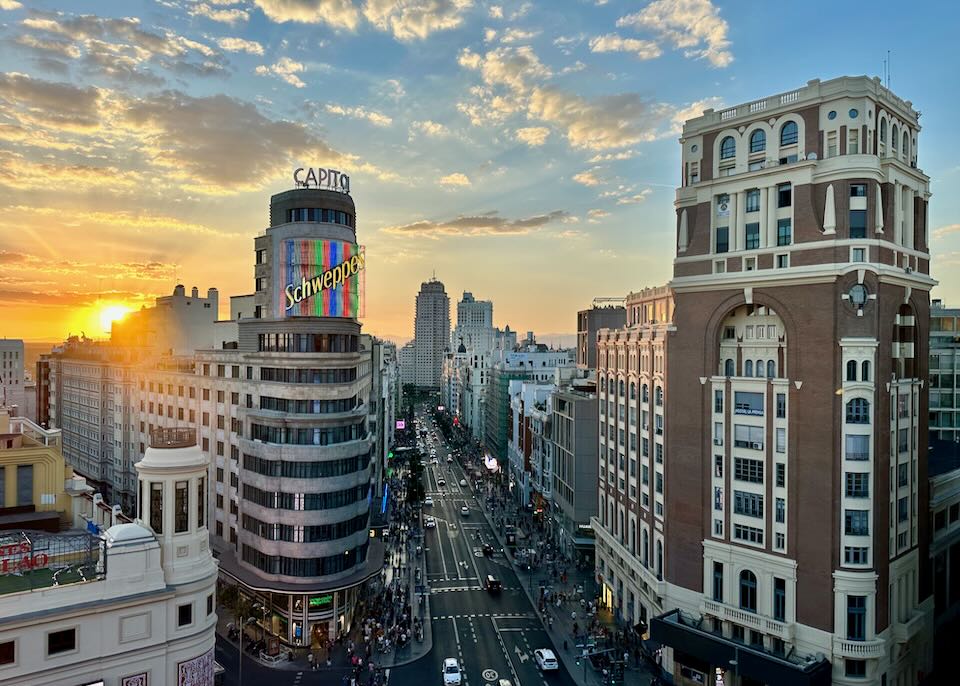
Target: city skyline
column 487, row 142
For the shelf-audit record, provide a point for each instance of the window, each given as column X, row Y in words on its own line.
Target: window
column 8, row 653
column 858, row 190
column 185, row 615
column 748, row 504
column 883, row 131
column 156, row 507
column 771, row 365
column 781, row 405
column 856, row 617
column 902, row 474
column 858, row 223
column 856, row 522
column 852, row 370
column 201, row 501
column 25, row 484
column 903, row 509
column 857, row 447
column 856, row 668
column 209, row 604
column 781, row 440
column 718, row 466
column 781, row 478
column 728, row 148
column 748, row 591
column 753, row 200
column 853, row 144
column 865, row 371
column 748, row 368
column 784, row 195
column 857, row 485
column 746, row 403
column 784, row 232
column 718, row 582
column 859, row 255
column 779, row 599
column 62, row 641
column 728, row 368
column 718, row 401
column 758, row 141
column 855, row 555
column 753, row 236
column 789, row 134
column 181, row 515
column 781, row 510
column 832, row 144
column 748, row 470
column 745, row 436
column 858, row 411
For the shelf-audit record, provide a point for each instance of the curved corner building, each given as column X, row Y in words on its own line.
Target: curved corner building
column 302, row 545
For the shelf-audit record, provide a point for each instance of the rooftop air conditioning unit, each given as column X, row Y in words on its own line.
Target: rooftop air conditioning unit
column 757, row 446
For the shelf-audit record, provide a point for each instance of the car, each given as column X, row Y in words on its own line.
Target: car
column 487, row 549
column 428, row 501
column 464, row 510
column 441, row 482
column 504, row 682
column 546, row 660
column 449, row 459
column 492, row 584
column 430, row 523
column 463, row 482
column 451, row 672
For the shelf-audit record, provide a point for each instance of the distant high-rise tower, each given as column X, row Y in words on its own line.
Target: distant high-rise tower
column 432, row 333
column 474, row 324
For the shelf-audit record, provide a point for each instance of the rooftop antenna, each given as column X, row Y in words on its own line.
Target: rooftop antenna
column 888, row 70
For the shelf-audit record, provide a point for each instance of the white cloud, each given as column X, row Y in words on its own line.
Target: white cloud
column 521, row 11
column 336, row 13
column 597, row 214
column 613, row 156
column 224, row 16
column 634, row 199
column 566, row 44
column 240, row 45
column 533, row 135
column 642, row 49
column 588, row 178
column 286, row 69
column 573, row 68
column 455, row 179
column 514, row 35
column 486, row 224
column 429, row 128
column 9, row 5
column 393, row 90
column 946, row 230
column 513, row 67
column 489, row 35
column 409, row 21
column 693, row 25
column 375, row 118
column 694, row 109
column 496, row 12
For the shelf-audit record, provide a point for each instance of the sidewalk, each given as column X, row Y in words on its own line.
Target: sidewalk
column 400, row 566
column 569, row 612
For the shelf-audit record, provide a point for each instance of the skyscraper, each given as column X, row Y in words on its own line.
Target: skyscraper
column 431, row 333
column 795, row 520
column 474, row 324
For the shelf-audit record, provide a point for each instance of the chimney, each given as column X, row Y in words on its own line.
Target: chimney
column 195, row 293
column 179, row 290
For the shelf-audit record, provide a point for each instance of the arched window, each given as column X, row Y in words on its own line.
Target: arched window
column 893, row 140
column 748, row 591
column 728, row 148
column 603, row 511
column 758, row 141
column 759, row 369
column 748, row 368
column 771, row 368
column 852, row 370
column 659, row 395
column 633, row 537
column 906, row 144
column 858, row 411
column 645, row 393
column 865, row 371
column 633, row 391
column 659, row 560
column 883, row 130
column 603, row 384
column 645, row 549
column 728, row 368
column 612, row 522
column 789, row 134
column 620, row 388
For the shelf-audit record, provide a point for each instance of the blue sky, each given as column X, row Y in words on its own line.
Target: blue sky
column 526, row 151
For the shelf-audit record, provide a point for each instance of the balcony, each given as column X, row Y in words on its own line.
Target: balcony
column 904, row 631
column 751, row 620
column 859, row 650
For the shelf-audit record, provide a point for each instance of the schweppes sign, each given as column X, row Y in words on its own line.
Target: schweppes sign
column 321, row 278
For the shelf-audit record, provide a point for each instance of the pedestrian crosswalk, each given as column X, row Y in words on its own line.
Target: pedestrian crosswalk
column 494, row 615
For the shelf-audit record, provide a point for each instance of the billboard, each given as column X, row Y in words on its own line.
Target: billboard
column 320, row 278
column 401, row 424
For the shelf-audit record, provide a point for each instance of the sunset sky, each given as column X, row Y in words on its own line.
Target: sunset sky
column 524, row 151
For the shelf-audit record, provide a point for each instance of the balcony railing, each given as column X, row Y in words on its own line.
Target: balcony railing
column 863, row 650
column 760, row 623
column 904, row 631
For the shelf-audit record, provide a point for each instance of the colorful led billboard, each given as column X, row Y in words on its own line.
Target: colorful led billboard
column 320, row 278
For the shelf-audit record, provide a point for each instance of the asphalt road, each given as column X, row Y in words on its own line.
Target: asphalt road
column 492, row 635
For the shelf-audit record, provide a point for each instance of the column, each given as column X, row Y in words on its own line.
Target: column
column 741, row 219
column 713, row 223
column 770, row 209
column 897, row 223
column 735, row 241
column 908, row 238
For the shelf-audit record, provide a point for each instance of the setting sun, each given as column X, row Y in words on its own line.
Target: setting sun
column 110, row 314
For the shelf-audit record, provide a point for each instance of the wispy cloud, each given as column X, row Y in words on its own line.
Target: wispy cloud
column 455, row 179
column 532, row 135
column 285, row 68
column 375, row 118
column 240, row 45
column 695, row 26
column 642, row 49
column 487, row 224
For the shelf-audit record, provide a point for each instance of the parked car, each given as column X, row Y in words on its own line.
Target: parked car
column 441, row 482
column 451, row 672
column 546, row 660
column 464, row 510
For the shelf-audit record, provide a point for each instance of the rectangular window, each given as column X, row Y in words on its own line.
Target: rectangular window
column 783, row 261
column 855, row 555
column 181, row 514
column 658, row 486
column 857, row 485
column 781, row 511
column 853, row 144
column 858, row 190
column 753, row 200
column 781, row 440
column 903, row 509
column 156, row 507
column 723, row 239
column 753, row 236
column 25, row 484
column 749, row 534
column 832, row 144
column 8, row 653
column 62, row 641
column 858, row 223
column 781, row 405
column 718, row 582
column 201, row 501
column 856, row 522
column 745, row 436
column 185, row 615
column 718, row 401
column 857, row 447
column 718, row 527
column 749, row 504
column 779, row 599
column 209, row 604
column 903, row 474
column 855, row 668
column 784, row 195
column 780, row 542
column 859, row 255
column 748, row 470
column 784, row 232
column 747, row 403
column 718, row 466
column 856, row 617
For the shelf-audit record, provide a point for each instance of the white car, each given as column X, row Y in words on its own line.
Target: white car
column 430, row 523
column 441, row 482
column 428, row 501
column 464, row 510
column 449, row 459
column 546, row 660
column 451, row 672
column 463, row 482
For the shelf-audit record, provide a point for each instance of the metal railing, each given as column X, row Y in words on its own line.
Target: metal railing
column 173, row 438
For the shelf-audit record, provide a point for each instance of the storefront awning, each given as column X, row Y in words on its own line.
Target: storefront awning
column 673, row 629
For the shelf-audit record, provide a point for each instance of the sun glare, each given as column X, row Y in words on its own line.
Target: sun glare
column 110, row 314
